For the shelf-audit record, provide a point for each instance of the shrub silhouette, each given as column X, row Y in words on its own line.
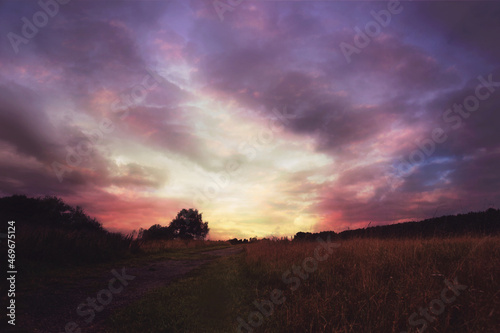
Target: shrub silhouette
column 49, row 230
column 156, row 232
column 47, row 211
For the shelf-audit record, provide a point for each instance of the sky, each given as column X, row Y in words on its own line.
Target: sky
column 269, row 117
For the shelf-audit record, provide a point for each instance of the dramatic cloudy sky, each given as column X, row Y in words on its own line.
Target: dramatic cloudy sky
column 270, row 117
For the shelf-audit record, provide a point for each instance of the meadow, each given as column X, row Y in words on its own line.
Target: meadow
column 437, row 275
column 360, row 285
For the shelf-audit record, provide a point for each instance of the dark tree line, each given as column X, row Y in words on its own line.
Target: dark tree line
column 235, row 241
column 473, row 223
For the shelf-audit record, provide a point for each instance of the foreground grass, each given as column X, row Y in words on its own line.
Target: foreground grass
column 371, row 285
column 365, row 285
column 205, row 301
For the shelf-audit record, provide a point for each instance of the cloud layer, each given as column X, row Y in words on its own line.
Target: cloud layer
column 135, row 110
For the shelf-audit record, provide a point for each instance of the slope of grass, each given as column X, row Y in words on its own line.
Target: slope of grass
column 50, row 256
column 47, row 248
column 65, row 246
column 365, row 285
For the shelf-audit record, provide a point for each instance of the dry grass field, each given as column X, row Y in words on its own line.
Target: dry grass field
column 370, row 285
column 359, row 285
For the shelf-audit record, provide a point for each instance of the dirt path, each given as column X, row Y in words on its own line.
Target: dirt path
column 51, row 309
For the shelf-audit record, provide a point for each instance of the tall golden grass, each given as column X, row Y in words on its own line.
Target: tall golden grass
column 372, row 285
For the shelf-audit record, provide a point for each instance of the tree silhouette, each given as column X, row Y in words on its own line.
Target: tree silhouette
column 188, row 224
